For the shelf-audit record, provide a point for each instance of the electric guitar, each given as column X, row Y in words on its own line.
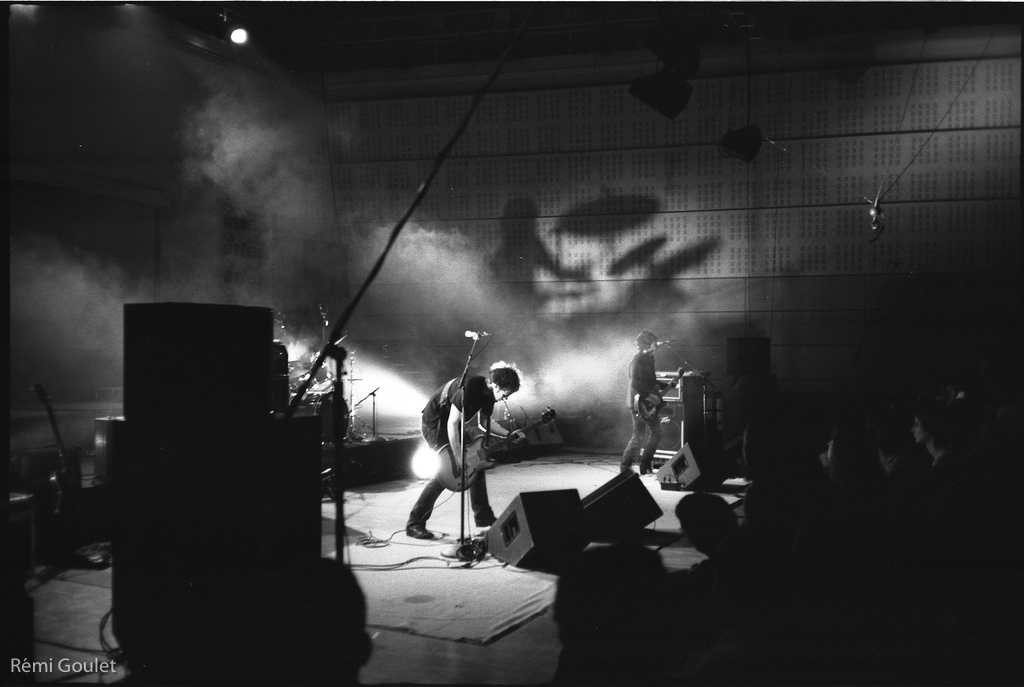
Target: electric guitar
column 645, row 408
column 61, row 477
column 478, row 456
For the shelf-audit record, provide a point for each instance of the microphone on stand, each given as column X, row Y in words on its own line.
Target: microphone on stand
column 476, row 335
column 663, row 343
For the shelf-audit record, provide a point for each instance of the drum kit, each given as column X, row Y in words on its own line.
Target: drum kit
column 319, row 399
column 319, row 396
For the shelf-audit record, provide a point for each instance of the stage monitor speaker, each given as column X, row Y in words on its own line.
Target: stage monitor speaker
column 748, row 356
column 619, row 508
column 697, row 466
column 196, row 364
column 540, row 530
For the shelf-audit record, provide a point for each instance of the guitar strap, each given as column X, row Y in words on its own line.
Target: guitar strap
column 446, row 401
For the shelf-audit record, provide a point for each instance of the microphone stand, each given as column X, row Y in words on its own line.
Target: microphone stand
column 339, row 420
column 465, row 550
column 374, row 395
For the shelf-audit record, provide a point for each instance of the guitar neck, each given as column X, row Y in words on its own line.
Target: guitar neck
column 45, row 400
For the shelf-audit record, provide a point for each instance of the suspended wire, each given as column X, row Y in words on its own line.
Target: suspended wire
column 330, row 155
column 899, row 127
column 816, row 169
column 750, row 88
column 750, row 232
column 970, row 76
column 881, row 194
column 896, row 256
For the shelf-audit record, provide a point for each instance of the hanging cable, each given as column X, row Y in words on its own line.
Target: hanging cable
column 877, row 212
column 421, row 192
column 899, row 127
column 970, row 76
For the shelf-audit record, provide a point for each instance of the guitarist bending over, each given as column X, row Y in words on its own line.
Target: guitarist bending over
column 643, row 402
column 442, row 424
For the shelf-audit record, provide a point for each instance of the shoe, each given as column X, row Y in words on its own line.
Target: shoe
column 485, row 520
column 418, row 532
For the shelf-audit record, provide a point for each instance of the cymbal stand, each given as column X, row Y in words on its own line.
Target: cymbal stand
column 372, row 394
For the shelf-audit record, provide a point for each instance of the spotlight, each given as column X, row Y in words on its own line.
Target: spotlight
column 233, row 25
column 666, row 92
column 425, row 462
column 742, row 144
column 238, row 35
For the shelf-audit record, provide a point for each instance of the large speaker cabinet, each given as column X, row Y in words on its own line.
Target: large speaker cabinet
column 212, row 495
column 200, row 524
column 192, row 364
column 540, row 530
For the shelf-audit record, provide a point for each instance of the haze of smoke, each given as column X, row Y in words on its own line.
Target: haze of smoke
column 256, row 150
column 62, row 303
column 431, row 269
column 259, row 146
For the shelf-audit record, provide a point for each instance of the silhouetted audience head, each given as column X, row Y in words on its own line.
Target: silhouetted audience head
column 706, row 519
column 319, row 618
column 607, row 616
column 933, row 426
column 774, row 448
column 852, row 459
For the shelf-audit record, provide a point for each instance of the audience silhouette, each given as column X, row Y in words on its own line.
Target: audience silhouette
column 891, row 559
column 606, row 620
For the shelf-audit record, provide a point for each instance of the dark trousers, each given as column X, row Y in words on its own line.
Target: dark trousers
column 646, row 437
column 482, row 513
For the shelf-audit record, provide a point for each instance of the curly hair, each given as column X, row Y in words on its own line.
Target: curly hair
column 504, row 376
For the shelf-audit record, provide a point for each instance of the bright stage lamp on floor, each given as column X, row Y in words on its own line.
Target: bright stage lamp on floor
column 425, row 462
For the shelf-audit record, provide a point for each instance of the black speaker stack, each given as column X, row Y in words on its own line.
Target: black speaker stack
column 212, row 494
column 753, row 388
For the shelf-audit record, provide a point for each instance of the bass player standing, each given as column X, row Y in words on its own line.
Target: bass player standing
column 442, row 424
column 643, row 401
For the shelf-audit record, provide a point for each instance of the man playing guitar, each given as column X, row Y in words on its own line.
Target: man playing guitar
column 442, row 424
column 643, row 401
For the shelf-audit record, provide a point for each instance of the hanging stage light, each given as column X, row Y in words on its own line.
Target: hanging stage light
column 665, row 92
column 234, row 27
column 742, row 144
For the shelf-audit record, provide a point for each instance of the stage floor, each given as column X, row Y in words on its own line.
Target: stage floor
column 432, row 620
